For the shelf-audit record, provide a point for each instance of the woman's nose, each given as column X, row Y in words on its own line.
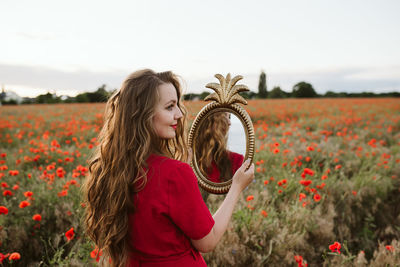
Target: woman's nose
column 178, row 114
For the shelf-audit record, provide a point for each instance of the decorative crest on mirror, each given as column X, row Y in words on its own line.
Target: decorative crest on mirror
column 227, row 91
column 226, row 98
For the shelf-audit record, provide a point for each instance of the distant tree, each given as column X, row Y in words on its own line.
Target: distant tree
column 190, row 96
column 367, row 94
column 9, row 102
column 101, row 95
column 331, row 94
column 203, row 95
column 82, row 98
column 47, row 98
column 303, row 89
column 392, row 94
column 2, row 95
column 70, row 99
column 248, row 94
column 28, row 100
column 262, row 85
column 276, row 92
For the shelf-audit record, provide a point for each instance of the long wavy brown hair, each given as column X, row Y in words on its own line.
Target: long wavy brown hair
column 211, row 145
column 117, row 167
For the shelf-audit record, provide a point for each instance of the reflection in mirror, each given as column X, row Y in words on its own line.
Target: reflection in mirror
column 236, row 136
column 220, row 146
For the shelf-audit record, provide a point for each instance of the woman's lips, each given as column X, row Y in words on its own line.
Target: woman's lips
column 174, row 126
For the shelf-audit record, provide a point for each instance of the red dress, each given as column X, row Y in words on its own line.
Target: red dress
column 236, row 161
column 169, row 211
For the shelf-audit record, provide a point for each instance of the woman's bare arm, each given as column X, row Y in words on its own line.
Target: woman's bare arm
column 240, row 181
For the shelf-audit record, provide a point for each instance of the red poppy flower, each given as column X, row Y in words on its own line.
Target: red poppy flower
column 37, row 217
column 317, row 197
column 60, row 172
column 3, row 210
column 305, row 182
column 335, row 247
column 390, row 248
column 264, row 213
column 13, row 172
column 308, row 171
column 63, row 193
column 372, row 142
column 298, row 258
column 70, row 234
column 24, row 204
column 7, row 193
column 249, row 198
column 14, row 256
column 3, row 257
column 50, row 167
column 96, row 253
column 28, row 194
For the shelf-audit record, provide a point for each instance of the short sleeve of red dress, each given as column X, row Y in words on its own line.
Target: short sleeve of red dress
column 236, row 160
column 186, row 206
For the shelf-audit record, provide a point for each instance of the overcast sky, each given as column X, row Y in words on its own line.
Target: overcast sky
column 73, row 46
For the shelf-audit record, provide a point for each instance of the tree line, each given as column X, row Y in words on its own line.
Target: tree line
column 300, row 90
column 100, row 95
column 306, row 90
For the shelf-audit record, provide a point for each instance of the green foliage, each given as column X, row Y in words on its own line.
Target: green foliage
column 262, row 85
column 277, row 92
column 101, row 95
column 9, row 102
column 362, row 94
column 48, row 98
column 248, row 94
column 303, row 90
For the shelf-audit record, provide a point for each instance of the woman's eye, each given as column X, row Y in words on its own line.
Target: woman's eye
column 170, row 107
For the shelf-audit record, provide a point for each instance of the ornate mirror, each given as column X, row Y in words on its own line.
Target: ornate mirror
column 221, row 136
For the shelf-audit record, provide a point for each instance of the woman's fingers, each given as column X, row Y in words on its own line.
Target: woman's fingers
column 245, row 164
column 244, row 177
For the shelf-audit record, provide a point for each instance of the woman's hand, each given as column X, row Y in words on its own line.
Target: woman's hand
column 243, row 178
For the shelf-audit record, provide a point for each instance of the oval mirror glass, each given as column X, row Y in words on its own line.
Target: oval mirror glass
column 220, row 146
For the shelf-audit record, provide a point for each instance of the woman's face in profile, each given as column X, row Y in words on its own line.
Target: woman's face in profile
column 167, row 113
column 228, row 117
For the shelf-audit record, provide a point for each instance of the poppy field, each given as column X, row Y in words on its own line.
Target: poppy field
column 326, row 190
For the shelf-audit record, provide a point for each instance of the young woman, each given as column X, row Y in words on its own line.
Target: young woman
column 213, row 157
column 143, row 204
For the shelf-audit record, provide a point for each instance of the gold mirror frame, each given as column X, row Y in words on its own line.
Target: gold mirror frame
column 225, row 99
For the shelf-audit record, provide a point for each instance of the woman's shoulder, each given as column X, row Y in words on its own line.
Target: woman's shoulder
column 234, row 155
